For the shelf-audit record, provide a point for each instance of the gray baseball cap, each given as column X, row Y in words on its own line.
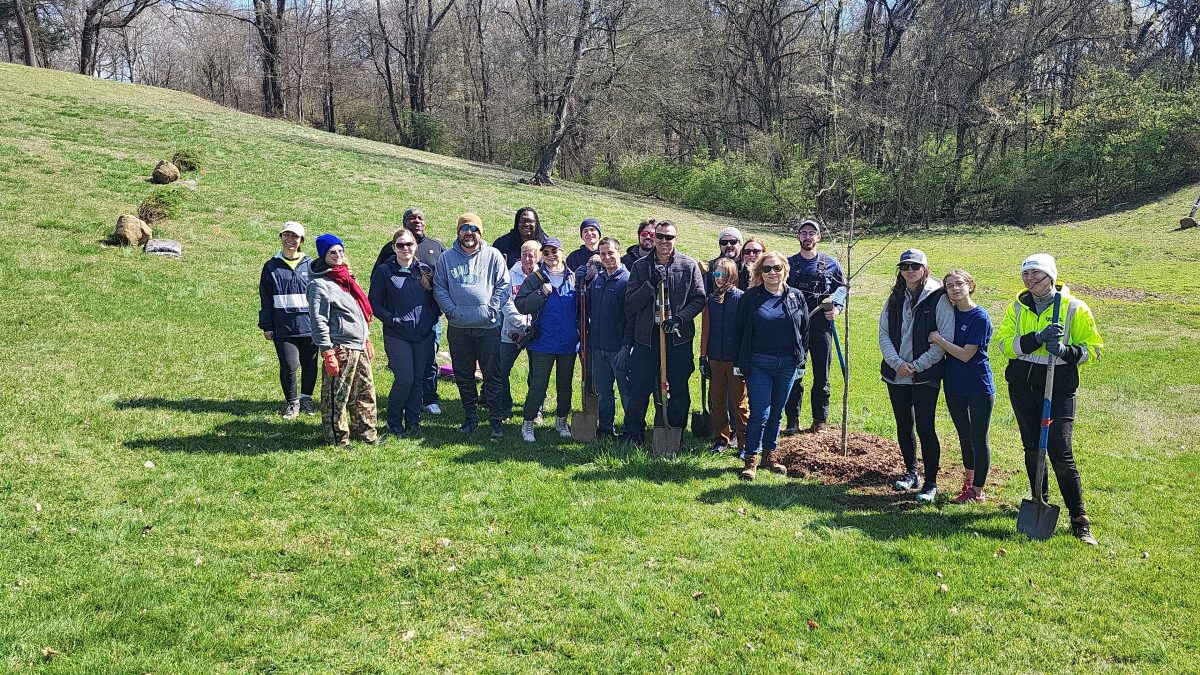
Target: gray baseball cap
column 913, row 255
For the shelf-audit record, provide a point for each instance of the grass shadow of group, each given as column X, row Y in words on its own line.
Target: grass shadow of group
column 246, row 434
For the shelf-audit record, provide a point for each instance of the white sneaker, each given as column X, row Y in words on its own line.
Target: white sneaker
column 927, row 494
column 433, row 409
column 527, row 432
column 564, row 429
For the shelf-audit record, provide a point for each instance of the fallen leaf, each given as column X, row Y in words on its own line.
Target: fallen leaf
column 749, row 646
column 149, row 464
column 408, row 635
column 1000, row 552
column 1145, row 554
column 651, row 563
column 452, row 568
column 146, row 530
column 938, row 574
column 37, row 507
column 813, row 625
column 49, row 653
column 697, row 595
column 741, row 511
column 198, row 561
column 444, row 542
column 942, row 588
column 717, row 610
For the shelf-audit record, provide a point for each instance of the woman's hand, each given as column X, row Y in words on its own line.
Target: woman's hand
column 548, row 290
column 935, row 338
column 370, row 350
column 906, row 370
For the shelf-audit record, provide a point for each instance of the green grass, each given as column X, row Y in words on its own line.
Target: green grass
column 252, row 546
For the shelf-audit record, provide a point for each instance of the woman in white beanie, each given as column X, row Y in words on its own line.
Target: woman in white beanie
column 913, row 368
column 283, row 319
column 1030, row 339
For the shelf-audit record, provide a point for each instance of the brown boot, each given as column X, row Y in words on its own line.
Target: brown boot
column 792, row 427
column 771, row 464
column 750, row 468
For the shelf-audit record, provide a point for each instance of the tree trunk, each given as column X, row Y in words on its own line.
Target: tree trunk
column 330, row 121
column 548, row 154
column 26, row 33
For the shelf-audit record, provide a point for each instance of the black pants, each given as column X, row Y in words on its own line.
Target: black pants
column 916, row 405
column 540, row 364
column 429, row 392
column 408, row 362
column 820, row 350
column 972, row 415
column 643, row 381
column 468, row 346
column 296, row 354
column 1027, row 408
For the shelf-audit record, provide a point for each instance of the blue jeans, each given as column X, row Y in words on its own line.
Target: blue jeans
column 509, row 351
column 609, row 368
column 768, row 384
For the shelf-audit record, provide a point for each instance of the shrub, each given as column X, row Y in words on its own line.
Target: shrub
column 187, row 159
column 162, row 204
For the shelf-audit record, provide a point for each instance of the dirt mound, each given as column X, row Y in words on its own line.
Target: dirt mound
column 870, row 460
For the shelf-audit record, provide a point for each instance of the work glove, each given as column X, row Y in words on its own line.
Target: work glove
column 737, row 371
column 704, row 368
column 658, row 274
column 1051, row 333
column 1054, row 347
column 621, row 360
column 333, row 367
column 672, row 325
column 581, row 276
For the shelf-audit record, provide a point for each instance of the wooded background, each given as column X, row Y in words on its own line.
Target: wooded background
column 915, row 110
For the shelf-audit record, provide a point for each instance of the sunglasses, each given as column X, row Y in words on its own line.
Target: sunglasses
column 719, row 275
column 729, row 242
column 772, row 268
column 468, row 228
column 664, row 237
column 549, row 251
column 404, row 244
column 909, row 267
column 647, row 235
column 752, row 251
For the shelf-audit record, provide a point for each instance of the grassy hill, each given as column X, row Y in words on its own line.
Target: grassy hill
column 156, row 514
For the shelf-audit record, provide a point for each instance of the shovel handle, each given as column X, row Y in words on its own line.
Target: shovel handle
column 1195, row 206
column 1044, row 436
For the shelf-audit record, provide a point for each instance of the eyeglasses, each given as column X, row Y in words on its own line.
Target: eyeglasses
column 909, row 267
column 729, row 242
column 769, row 269
column 468, row 228
column 404, row 244
column 752, row 251
column 646, row 234
column 957, row 284
column 663, row 237
column 808, row 234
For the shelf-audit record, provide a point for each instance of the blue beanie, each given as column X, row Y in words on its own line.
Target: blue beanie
column 326, row 242
column 590, row 222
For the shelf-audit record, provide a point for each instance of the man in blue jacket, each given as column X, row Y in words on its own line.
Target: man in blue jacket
column 471, row 285
column 606, row 331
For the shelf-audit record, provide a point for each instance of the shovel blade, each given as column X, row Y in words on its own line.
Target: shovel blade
column 583, row 422
column 701, row 424
column 1037, row 519
column 666, row 442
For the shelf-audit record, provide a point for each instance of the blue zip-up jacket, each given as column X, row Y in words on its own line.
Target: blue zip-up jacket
column 606, row 310
column 401, row 303
column 283, row 299
column 722, row 326
column 556, row 315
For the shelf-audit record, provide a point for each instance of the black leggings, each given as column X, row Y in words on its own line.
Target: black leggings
column 1027, row 404
column 296, row 354
column 971, row 416
column 916, row 405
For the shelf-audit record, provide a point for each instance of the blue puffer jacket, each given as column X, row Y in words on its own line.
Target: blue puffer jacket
column 722, row 326
column 407, row 309
column 606, row 310
column 283, row 302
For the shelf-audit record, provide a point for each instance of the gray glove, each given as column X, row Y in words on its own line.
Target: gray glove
column 1054, row 347
column 621, row 360
column 1051, row 333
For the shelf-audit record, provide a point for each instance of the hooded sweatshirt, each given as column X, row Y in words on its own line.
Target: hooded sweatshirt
column 337, row 320
column 514, row 321
column 471, row 288
column 894, row 357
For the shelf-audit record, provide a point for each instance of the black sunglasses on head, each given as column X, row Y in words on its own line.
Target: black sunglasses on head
column 664, row 237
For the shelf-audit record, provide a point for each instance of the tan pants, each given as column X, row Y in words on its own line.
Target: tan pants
column 348, row 400
column 726, row 391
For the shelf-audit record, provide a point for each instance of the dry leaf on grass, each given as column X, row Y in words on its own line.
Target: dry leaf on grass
column 942, row 588
column 408, row 635
column 1000, row 552
column 443, row 542
column 37, row 507
column 146, row 530
column 697, row 595
column 741, row 511
column 813, row 625
column 149, row 464
column 49, row 653
column 749, row 646
column 717, row 610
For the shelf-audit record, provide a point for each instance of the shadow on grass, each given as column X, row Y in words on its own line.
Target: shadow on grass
column 879, row 514
column 201, row 405
column 241, row 437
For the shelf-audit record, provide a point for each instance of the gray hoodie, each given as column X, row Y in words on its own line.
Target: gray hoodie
column 336, row 318
column 471, row 288
column 945, row 324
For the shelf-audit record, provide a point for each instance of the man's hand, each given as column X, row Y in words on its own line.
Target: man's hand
column 906, row 370
column 1054, row 347
column 658, row 274
column 621, row 360
column 269, row 334
column 333, row 367
column 705, row 370
column 1051, row 333
column 672, row 325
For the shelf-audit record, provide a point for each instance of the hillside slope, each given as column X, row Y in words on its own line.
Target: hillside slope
column 157, row 515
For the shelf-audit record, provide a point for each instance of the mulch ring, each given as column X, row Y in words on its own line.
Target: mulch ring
column 870, row 461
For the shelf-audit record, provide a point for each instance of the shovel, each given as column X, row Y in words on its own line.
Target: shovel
column 666, row 438
column 584, row 422
column 1190, row 220
column 1036, row 519
column 702, row 421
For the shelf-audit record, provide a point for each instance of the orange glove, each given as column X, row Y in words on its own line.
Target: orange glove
column 333, row 367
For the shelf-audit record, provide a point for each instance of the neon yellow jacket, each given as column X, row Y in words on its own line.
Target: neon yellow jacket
column 1028, row 359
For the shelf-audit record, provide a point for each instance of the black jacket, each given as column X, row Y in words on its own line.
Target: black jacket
column 283, row 299
column 428, row 252
column 685, row 288
column 796, row 309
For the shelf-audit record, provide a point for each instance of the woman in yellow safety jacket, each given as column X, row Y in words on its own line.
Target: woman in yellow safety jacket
column 1030, row 339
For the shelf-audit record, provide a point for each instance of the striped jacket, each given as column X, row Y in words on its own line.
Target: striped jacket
column 283, row 303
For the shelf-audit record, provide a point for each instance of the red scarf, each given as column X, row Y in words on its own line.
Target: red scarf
column 341, row 275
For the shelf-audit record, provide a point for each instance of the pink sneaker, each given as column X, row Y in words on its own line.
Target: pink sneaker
column 970, row 493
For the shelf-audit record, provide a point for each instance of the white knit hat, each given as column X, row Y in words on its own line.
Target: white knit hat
column 729, row 231
column 1043, row 262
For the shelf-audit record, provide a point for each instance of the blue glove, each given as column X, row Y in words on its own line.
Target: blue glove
column 1051, row 333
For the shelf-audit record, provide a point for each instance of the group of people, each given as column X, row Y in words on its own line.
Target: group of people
column 764, row 317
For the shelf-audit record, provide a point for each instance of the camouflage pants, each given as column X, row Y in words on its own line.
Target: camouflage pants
column 348, row 400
